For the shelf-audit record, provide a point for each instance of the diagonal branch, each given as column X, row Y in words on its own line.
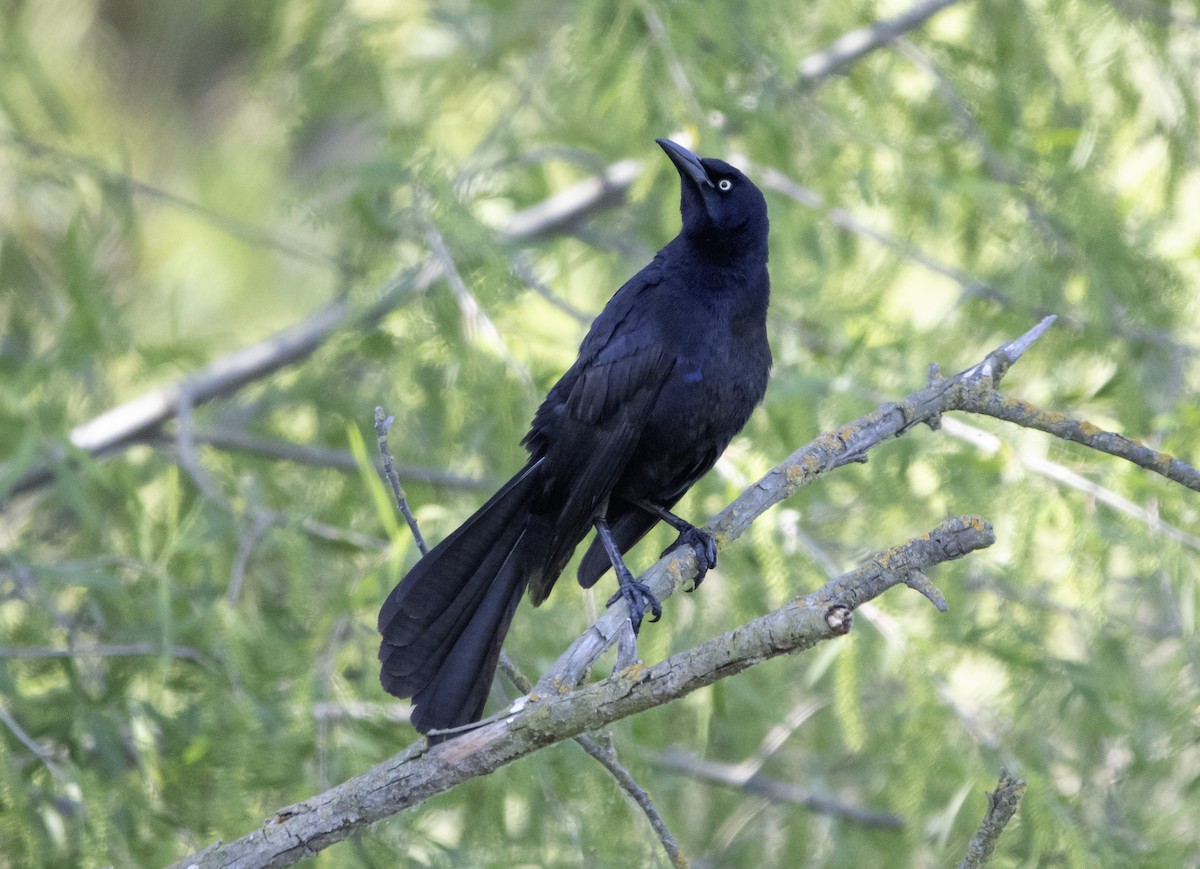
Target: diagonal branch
column 1022, row 413
column 422, row 771
column 128, row 423
column 849, row 443
column 971, row 390
column 851, row 46
column 120, row 427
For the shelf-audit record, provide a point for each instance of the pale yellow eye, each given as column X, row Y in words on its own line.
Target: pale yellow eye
column 724, row 184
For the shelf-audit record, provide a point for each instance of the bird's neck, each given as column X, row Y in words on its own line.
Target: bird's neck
column 725, row 249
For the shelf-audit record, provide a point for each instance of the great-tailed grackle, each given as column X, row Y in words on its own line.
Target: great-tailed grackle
column 667, row 375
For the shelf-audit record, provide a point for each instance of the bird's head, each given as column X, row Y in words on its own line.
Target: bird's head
column 719, row 204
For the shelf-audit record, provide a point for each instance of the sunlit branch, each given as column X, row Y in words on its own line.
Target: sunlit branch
column 1022, row 413
column 973, row 390
column 849, row 443
column 851, row 46
column 118, row 428
column 422, row 771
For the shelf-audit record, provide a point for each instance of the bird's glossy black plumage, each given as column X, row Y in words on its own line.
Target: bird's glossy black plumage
column 666, row 376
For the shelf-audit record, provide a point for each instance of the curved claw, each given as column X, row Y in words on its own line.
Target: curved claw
column 704, row 545
column 639, row 597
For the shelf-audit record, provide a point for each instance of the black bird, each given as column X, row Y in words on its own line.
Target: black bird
column 667, row 375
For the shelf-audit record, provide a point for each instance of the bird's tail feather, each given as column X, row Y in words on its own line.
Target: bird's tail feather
column 444, row 624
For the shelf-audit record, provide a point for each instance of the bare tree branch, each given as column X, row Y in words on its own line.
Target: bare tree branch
column 564, row 210
column 1022, row 413
column 540, row 720
column 849, row 443
column 851, row 46
column 1002, row 805
column 972, row 390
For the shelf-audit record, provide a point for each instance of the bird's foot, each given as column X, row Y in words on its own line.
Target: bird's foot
column 638, row 596
column 703, row 544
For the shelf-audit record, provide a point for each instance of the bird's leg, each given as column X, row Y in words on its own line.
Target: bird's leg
column 702, row 543
column 637, row 594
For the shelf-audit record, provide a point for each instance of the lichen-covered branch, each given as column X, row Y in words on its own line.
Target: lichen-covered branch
column 422, row 770
column 1080, row 431
column 1002, row 805
column 973, row 390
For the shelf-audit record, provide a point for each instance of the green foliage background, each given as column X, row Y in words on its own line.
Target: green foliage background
column 1044, row 150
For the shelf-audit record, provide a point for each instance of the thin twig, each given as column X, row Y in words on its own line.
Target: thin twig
column 237, row 573
column 188, row 458
column 382, row 425
column 601, row 749
column 599, row 746
column 103, row 650
column 29, row 742
column 733, row 775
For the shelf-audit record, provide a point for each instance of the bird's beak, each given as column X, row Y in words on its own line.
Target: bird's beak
column 686, row 162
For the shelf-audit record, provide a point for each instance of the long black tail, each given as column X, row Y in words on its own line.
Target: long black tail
column 445, row 622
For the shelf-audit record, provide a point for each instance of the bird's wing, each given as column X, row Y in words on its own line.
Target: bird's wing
column 591, row 422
